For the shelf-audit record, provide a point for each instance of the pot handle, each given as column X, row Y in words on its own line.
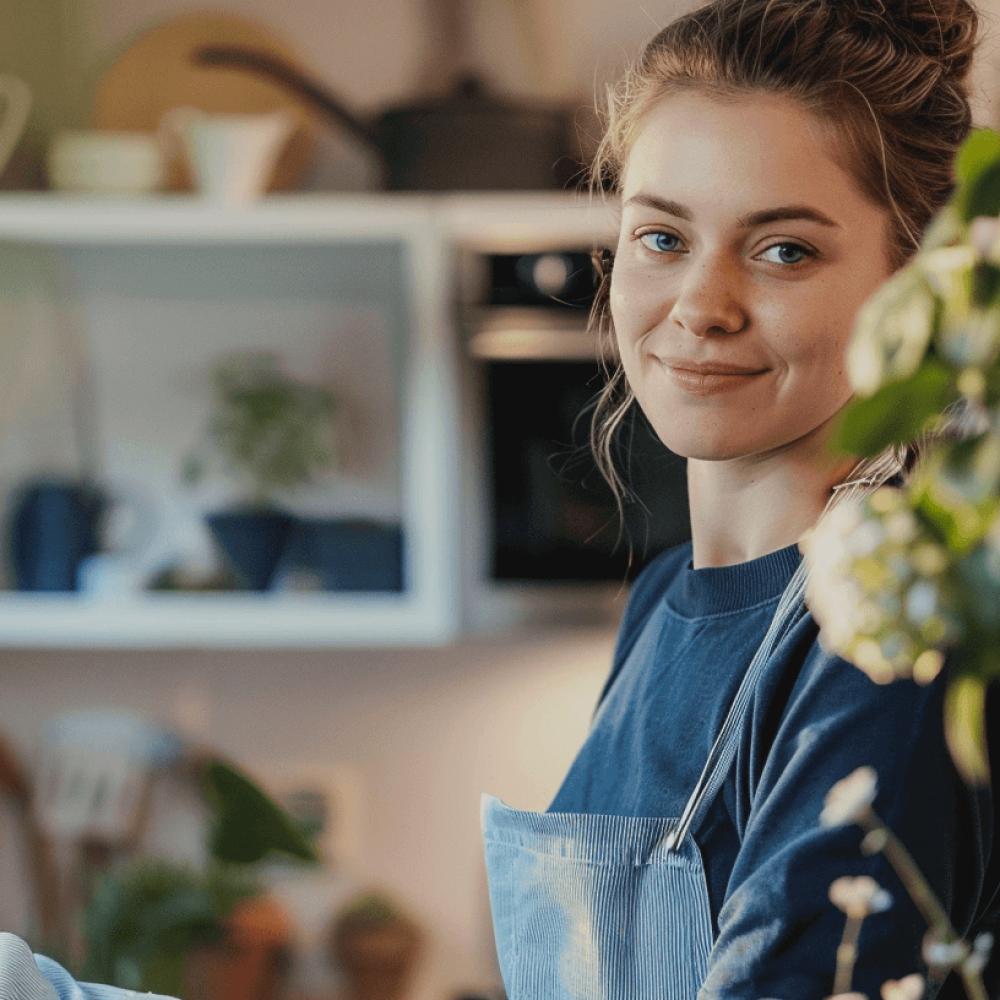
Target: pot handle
column 278, row 71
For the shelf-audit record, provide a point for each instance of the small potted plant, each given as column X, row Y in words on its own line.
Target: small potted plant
column 273, row 433
column 376, row 946
column 207, row 933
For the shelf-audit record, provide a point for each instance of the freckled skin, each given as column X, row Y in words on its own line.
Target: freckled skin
column 726, row 293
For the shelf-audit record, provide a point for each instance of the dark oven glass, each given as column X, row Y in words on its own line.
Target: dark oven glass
column 554, row 517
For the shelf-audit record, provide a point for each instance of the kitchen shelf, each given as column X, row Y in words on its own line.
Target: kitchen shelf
column 282, row 620
column 427, row 233
column 489, row 222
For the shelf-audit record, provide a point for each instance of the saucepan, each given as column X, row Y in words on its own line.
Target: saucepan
column 469, row 139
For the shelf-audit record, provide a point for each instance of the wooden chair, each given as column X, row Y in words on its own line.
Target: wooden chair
column 16, row 789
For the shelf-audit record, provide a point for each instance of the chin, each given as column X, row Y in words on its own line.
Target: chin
column 706, row 446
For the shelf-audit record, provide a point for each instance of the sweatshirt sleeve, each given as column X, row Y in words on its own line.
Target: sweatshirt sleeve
column 778, row 930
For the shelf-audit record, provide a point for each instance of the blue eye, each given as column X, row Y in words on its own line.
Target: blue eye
column 660, row 242
column 788, row 253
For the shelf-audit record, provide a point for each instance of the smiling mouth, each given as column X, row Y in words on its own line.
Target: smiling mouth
column 711, row 379
column 709, row 367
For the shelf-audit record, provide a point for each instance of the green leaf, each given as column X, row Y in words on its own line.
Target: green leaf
column 893, row 329
column 249, row 824
column 965, row 727
column 954, row 488
column 985, row 283
column 141, row 912
column 896, row 414
column 979, row 594
column 978, row 167
column 983, row 196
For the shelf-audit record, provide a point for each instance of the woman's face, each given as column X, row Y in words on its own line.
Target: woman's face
column 743, row 246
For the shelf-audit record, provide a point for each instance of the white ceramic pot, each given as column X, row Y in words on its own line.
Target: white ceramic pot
column 232, row 156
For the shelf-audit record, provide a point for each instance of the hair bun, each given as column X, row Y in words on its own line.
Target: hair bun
column 943, row 30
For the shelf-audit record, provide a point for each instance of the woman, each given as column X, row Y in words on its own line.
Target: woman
column 776, row 160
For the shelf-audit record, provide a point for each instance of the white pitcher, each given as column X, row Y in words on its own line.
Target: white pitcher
column 15, row 103
column 232, row 155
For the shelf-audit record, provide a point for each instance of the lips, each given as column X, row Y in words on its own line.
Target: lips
column 706, row 378
column 710, row 367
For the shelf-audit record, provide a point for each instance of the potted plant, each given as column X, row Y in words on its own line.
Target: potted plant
column 273, row 433
column 205, row 934
column 376, row 947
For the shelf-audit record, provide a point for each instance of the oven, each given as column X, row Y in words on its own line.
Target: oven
column 551, row 517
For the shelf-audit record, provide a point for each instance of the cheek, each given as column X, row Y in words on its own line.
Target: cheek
column 815, row 361
column 636, row 299
column 618, row 303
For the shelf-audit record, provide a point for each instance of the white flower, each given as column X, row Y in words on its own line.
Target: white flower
column 984, row 234
column 945, row 954
column 901, row 526
column 892, row 332
column 865, row 539
column 859, row 897
column 878, row 585
column 850, row 798
column 907, row 988
column 980, row 955
column 972, row 339
column 921, row 601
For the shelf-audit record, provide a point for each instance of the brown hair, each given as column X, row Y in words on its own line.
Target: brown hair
column 887, row 78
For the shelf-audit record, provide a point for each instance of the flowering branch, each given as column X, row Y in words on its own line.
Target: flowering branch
column 857, row 898
column 851, row 801
column 907, row 578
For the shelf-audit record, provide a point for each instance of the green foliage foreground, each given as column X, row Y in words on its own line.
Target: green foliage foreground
column 906, row 582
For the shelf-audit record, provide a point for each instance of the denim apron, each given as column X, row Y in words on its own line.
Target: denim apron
column 592, row 907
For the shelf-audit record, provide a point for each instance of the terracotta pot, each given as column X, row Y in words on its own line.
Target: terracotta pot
column 377, row 961
column 250, row 960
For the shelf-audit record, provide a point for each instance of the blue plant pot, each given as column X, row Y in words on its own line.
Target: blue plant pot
column 253, row 542
column 53, row 528
column 349, row 554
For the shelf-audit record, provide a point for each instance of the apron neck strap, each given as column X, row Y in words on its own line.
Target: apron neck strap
column 790, row 609
column 866, row 477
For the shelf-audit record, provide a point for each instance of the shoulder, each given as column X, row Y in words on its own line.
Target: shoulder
column 814, row 704
column 647, row 591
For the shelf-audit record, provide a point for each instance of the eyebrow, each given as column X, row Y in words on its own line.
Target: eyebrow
column 750, row 221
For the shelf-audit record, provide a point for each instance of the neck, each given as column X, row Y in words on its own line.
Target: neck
column 744, row 508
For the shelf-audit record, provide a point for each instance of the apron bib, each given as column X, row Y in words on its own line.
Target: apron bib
column 592, row 907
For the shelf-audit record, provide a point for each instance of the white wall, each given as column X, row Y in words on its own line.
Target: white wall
column 374, row 53
column 421, row 733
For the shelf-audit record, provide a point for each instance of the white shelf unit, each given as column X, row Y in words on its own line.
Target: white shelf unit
column 429, row 231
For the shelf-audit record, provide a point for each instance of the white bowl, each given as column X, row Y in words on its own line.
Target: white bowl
column 106, row 162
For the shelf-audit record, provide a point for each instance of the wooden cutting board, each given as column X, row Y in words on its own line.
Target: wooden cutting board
column 156, row 73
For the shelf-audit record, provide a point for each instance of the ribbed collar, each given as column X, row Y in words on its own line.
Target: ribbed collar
column 697, row 593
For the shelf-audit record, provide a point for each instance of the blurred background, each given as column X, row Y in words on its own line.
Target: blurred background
column 292, row 355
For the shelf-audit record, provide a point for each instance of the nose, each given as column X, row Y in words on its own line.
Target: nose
column 708, row 300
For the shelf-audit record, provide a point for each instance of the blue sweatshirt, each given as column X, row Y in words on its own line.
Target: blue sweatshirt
column 686, row 640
